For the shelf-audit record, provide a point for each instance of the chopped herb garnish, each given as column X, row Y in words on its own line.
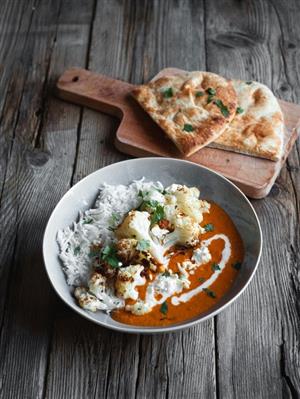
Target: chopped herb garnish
column 209, row 292
column 215, row 267
column 223, row 108
column 158, row 214
column 249, row 82
column 151, row 204
column 199, row 93
column 140, row 194
column 88, row 221
column 239, row 110
column 109, row 255
column 237, row 265
column 209, row 227
column 164, row 308
column 155, row 208
column 187, row 127
column 201, row 279
column 76, row 250
column 166, row 273
column 114, row 219
column 143, row 245
column 168, row 93
column 210, row 98
column 211, row 91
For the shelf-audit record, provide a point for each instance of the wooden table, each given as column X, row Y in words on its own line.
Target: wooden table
column 251, row 350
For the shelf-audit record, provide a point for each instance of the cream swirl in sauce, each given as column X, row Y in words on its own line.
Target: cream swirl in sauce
column 166, row 286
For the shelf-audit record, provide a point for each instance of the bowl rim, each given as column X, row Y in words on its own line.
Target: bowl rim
column 127, row 328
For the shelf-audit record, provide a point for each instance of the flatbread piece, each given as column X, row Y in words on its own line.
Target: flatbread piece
column 258, row 127
column 193, row 108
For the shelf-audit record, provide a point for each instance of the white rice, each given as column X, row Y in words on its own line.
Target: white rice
column 93, row 227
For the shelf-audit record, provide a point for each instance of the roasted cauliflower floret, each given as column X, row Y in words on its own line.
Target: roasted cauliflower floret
column 87, row 301
column 126, row 249
column 137, row 225
column 186, row 232
column 98, row 295
column 128, row 279
column 97, row 284
column 187, row 200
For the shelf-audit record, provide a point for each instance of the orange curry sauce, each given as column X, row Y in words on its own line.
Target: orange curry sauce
column 202, row 301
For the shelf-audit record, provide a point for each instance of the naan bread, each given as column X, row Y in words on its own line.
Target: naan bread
column 258, row 127
column 193, row 108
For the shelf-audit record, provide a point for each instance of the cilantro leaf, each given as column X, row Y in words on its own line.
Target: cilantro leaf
column 155, row 209
column 209, row 227
column 150, row 204
column 237, row 265
column 143, row 245
column 164, row 308
column 188, row 127
column 77, row 250
column 168, row 93
column 249, row 82
column 109, row 255
column 199, row 93
column 215, row 267
column 114, row 220
column 166, row 273
column 88, row 221
column 239, row 110
column 209, row 292
column 210, row 98
column 158, row 214
column 211, row 91
column 223, row 108
column 201, row 279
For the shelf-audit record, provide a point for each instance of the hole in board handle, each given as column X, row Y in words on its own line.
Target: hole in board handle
column 75, row 79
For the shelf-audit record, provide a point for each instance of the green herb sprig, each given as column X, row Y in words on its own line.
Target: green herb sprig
column 168, row 93
column 209, row 292
column 164, row 308
column 224, row 110
column 215, row 267
column 188, row 127
column 109, row 255
column 209, row 227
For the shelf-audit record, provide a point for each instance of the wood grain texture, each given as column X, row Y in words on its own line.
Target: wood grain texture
column 39, row 170
column 157, row 366
column 139, row 135
column 249, row 351
column 260, row 330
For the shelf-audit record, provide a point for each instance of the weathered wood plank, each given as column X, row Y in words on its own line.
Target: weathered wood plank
column 257, row 336
column 132, row 366
column 46, row 145
column 11, row 88
column 39, row 171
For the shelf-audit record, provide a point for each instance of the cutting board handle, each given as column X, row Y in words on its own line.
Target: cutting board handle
column 96, row 91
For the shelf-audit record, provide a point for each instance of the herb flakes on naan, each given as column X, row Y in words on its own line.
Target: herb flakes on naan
column 193, row 108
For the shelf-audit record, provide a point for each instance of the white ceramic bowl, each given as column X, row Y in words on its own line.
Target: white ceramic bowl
column 212, row 186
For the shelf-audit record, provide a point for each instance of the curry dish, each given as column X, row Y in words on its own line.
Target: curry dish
column 162, row 257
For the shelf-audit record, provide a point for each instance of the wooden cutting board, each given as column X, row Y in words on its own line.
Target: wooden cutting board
column 139, row 136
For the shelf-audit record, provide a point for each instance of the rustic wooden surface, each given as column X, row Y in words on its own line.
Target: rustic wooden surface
column 251, row 350
column 254, row 176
